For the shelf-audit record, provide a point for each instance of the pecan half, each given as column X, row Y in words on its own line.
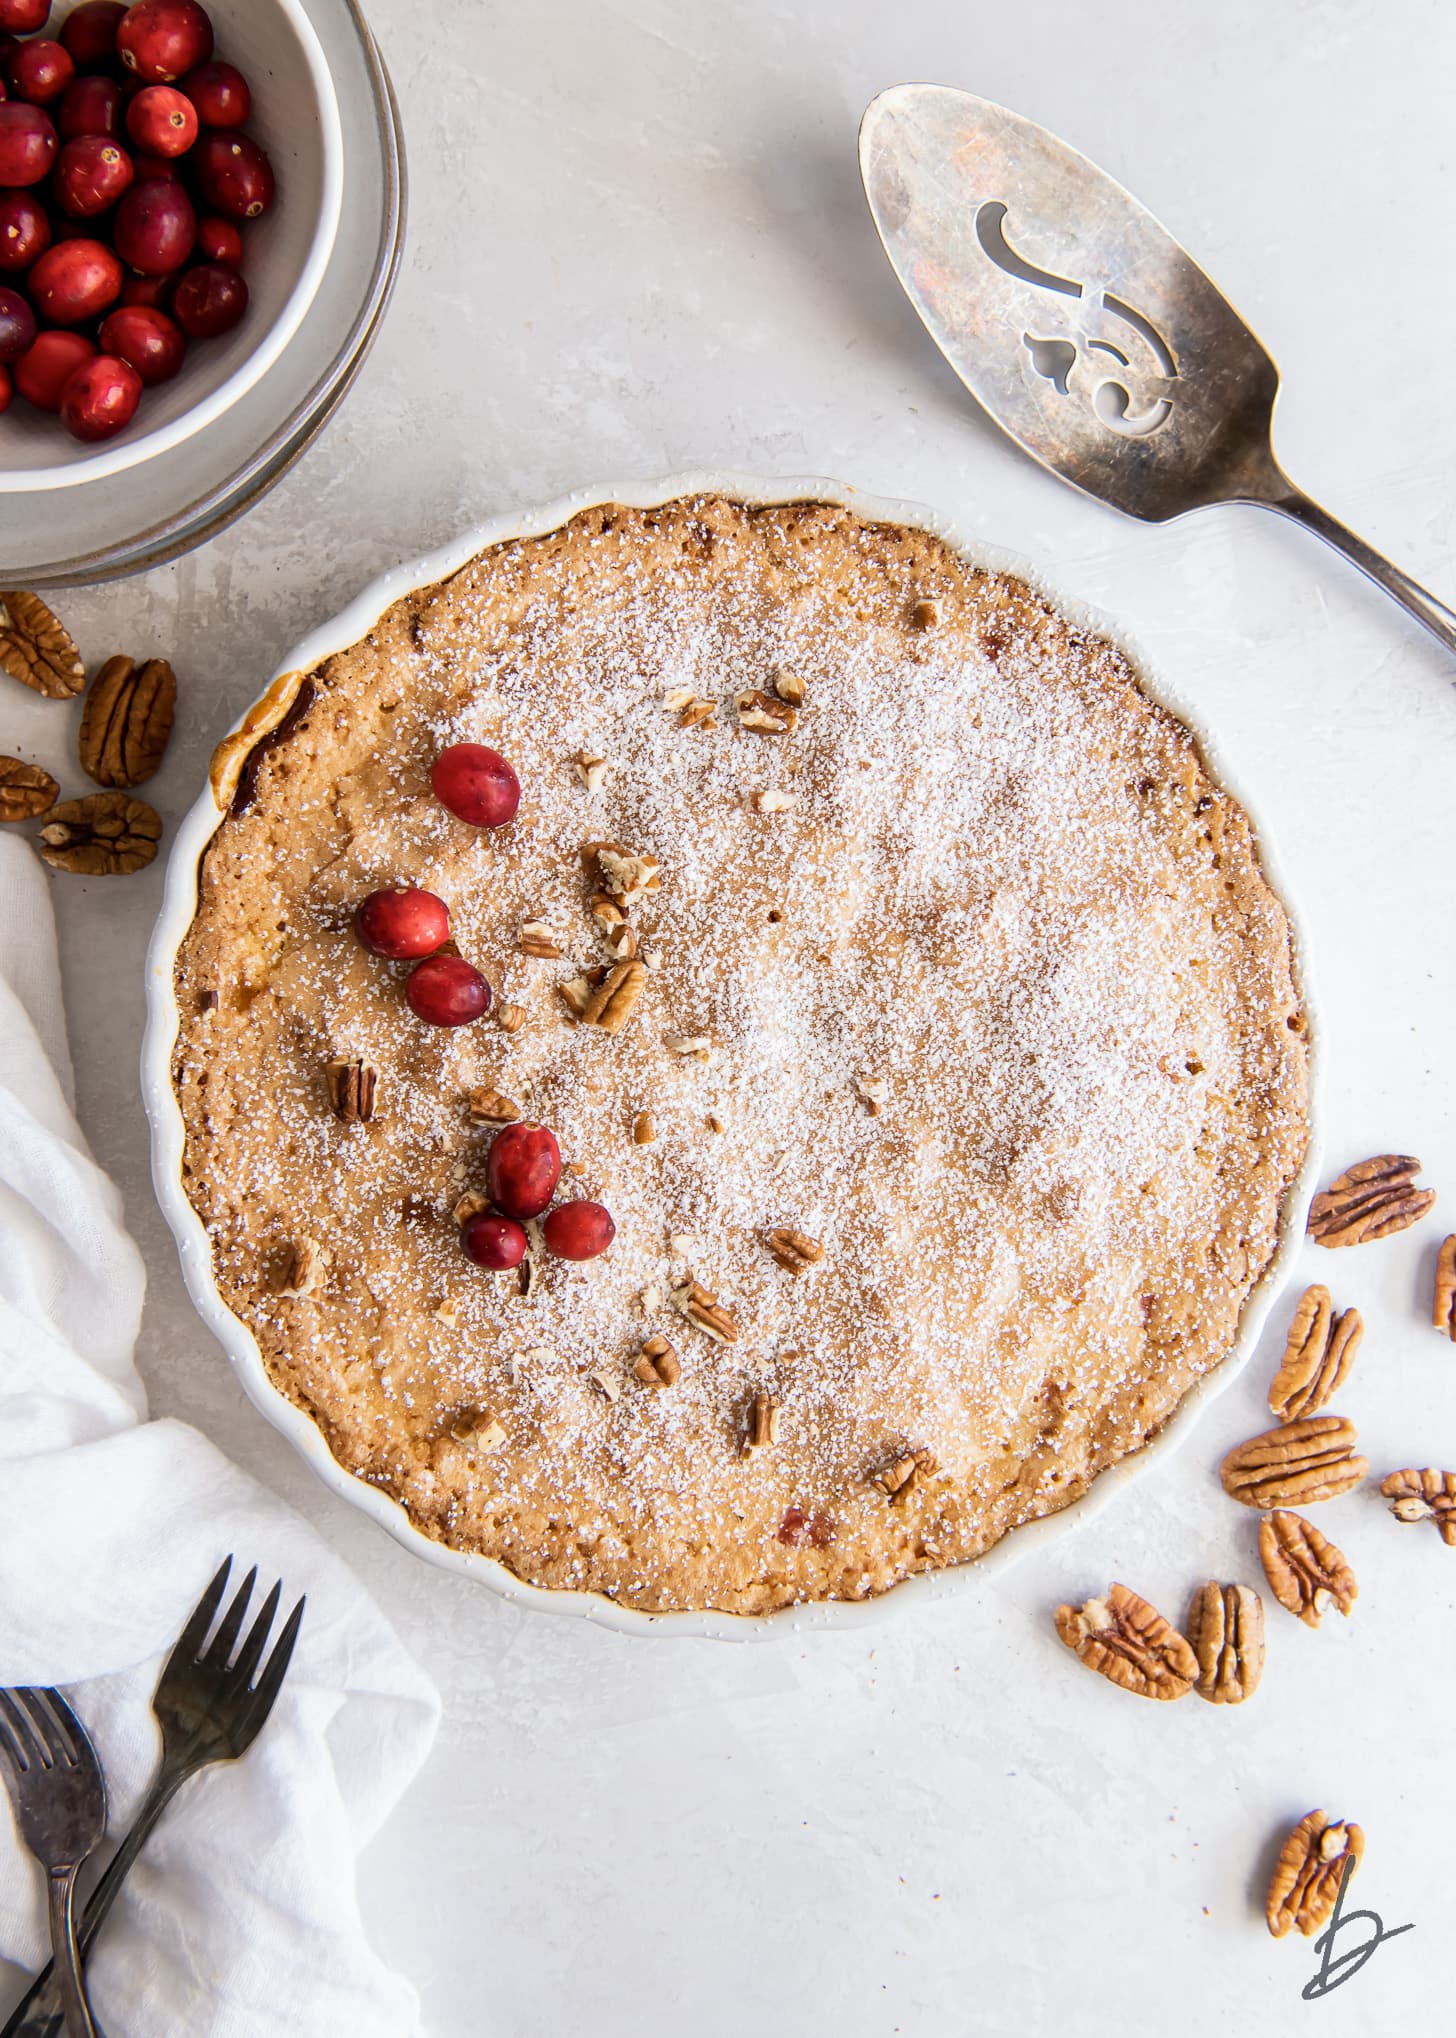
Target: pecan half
column 1129, row 1642
column 900, row 1477
column 704, row 1309
column 1318, row 1353
column 351, row 1086
column 1370, row 1200
column 102, row 835
column 1300, row 1462
column 767, row 714
column 493, row 1107
column 657, row 1364
column 614, row 1000
column 1226, row 1634
column 1424, row 1496
column 763, row 1424
column 1443, row 1306
column 36, row 647
column 25, row 790
column 127, row 720
column 1306, row 1573
column 1307, row 1876
column 795, row 1251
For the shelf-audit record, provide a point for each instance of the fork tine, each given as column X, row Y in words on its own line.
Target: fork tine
column 192, row 1637
column 250, row 1654
column 58, row 1726
column 275, row 1669
column 220, row 1650
column 16, row 1741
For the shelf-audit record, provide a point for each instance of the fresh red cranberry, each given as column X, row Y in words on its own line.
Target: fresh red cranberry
column 220, row 93
column 39, row 71
column 48, row 364
column 162, row 39
column 24, row 17
column 25, row 231
column 445, row 990
column 522, row 1169
column 209, row 299
column 155, row 291
column 89, row 32
column 28, row 142
column 7, row 388
column 476, row 784
column 168, row 168
column 74, row 281
column 578, row 1231
column 402, row 925
column 495, row 1242
column 233, row 174
column 817, row 1530
column 91, row 173
column 17, row 324
column 145, row 339
column 100, row 398
column 218, row 240
column 162, row 120
column 90, row 106
column 155, row 227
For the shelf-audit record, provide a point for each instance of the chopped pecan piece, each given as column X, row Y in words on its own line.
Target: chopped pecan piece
column 622, row 941
column 773, row 802
column 1443, row 1307
column 657, row 1364
column 302, row 1271
column 704, row 1309
column 36, row 648
column 900, row 1477
column 625, row 875
column 1306, row 1881
column 875, row 1092
column 1226, row 1634
column 471, row 1204
column 536, row 938
column 644, row 1129
column 765, row 713
column 352, row 1086
column 479, row 1429
column 924, row 614
column 763, row 1424
column 510, row 1018
column 102, row 835
column 576, row 993
column 1298, row 1463
column 590, row 769
column 492, row 1106
column 605, row 1385
column 789, row 687
column 1318, row 1353
column 614, row 1000
column 1370, row 1200
column 1129, row 1642
column 698, row 713
column 1428, row 1495
column 25, row 790
column 127, row 720
column 1306, row 1572
column 795, row 1251
column 698, row 1044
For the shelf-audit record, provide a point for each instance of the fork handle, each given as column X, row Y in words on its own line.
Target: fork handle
column 1303, row 509
column 40, row 2012
column 61, row 1902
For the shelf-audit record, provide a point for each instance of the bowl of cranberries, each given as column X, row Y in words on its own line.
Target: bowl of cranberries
column 170, row 183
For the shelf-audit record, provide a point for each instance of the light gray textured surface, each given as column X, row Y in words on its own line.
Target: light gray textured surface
column 639, row 245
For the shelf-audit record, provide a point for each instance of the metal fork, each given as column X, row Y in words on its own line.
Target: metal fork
column 60, row 1806
column 209, row 1710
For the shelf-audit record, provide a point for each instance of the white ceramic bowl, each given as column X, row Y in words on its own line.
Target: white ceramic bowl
column 179, row 903
column 296, row 119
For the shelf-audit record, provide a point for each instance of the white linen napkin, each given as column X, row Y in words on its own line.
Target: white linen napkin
column 240, row 1919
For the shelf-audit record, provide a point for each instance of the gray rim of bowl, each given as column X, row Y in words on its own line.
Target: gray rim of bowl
column 211, row 513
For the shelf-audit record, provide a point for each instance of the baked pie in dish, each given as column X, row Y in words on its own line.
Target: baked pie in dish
column 891, row 975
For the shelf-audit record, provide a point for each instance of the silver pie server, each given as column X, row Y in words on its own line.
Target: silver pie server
column 1078, row 322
